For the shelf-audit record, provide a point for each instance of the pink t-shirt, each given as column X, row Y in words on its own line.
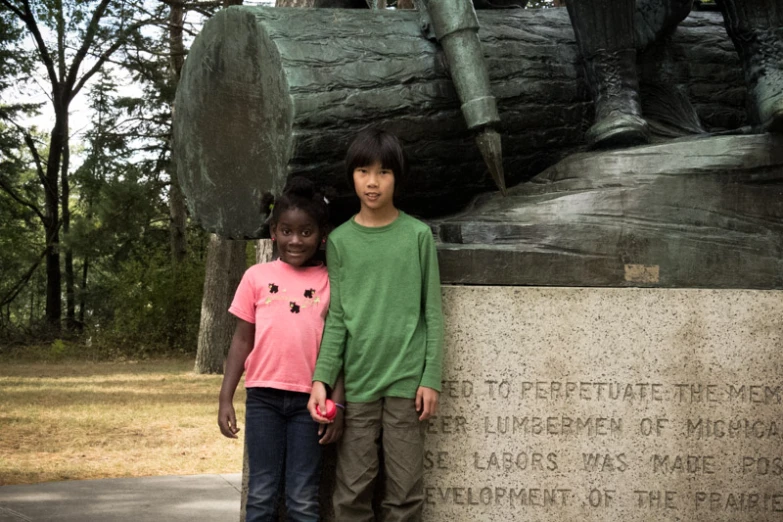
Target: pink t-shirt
column 288, row 306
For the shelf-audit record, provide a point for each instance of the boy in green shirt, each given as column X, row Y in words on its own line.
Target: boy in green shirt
column 384, row 331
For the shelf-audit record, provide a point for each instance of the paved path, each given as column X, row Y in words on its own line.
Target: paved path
column 195, row 498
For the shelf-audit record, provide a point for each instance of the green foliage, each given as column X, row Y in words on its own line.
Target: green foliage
column 126, row 287
column 132, row 305
column 21, row 244
column 15, row 60
column 129, row 295
column 120, row 229
column 57, row 349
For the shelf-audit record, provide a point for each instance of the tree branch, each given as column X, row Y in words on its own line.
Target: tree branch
column 89, row 38
column 29, row 204
column 30, row 142
column 19, row 14
column 104, row 56
column 60, row 15
column 11, row 295
column 29, row 20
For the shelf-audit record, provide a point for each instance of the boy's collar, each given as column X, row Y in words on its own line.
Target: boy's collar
column 375, row 221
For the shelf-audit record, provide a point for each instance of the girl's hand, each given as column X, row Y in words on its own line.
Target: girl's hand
column 318, row 400
column 330, row 433
column 227, row 420
column 426, row 402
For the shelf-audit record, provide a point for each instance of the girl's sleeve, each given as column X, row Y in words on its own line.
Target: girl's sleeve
column 244, row 303
column 433, row 312
column 331, row 354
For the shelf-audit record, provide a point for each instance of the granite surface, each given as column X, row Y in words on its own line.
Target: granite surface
column 597, row 404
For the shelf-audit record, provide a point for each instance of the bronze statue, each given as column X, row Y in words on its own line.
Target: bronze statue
column 608, row 36
column 756, row 28
column 455, row 25
column 269, row 93
column 609, row 33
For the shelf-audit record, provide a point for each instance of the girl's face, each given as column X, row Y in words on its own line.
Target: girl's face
column 297, row 236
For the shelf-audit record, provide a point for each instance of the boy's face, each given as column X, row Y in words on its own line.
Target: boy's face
column 375, row 186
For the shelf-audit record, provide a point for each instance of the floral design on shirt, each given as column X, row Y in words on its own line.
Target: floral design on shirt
column 310, row 294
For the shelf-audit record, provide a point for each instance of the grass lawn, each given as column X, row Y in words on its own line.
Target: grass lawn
column 80, row 420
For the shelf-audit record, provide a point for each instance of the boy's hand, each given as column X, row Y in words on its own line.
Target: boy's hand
column 426, row 402
column 318, row 400
column 227, row 420
column 330, row 433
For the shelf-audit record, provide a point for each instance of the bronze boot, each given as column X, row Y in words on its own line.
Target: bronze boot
column 756, row 28
column 604, row 31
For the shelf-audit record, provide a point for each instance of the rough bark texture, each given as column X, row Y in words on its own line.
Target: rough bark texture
column 224, row 269
column 52, row 222
column 263, row 98
column 225, row 259
column 177, row 208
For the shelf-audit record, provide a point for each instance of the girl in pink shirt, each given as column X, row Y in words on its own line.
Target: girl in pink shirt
column 280, row 308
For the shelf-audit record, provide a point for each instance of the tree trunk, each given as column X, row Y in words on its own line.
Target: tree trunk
column 178, row 219
column 294, row 108
column 70, row 298
column 33, row 292
column 176, row 198
column 52, row 225
column 177, row 213
column 224, row 269
column 83, row 292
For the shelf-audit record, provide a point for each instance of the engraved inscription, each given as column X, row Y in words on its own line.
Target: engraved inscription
column 542, row 497
column 447, row 424
column 694, row 464
column 652, row 411
column 591, row 391
column 553, row 425
column 507, row 461
column 604, row 462
column 733, row 428
column 656, row 499
column 738, row 501
column 608, row 405
column 436, row 459
column 763, row 466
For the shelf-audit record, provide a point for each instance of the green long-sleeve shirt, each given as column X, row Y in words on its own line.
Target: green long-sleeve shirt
column 385, row 324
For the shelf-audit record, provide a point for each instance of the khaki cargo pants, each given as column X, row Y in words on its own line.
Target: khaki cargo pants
column 394, row 424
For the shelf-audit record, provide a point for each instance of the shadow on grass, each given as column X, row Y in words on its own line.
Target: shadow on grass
column 52, row 397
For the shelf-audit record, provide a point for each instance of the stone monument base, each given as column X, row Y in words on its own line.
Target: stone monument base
column 608, row 404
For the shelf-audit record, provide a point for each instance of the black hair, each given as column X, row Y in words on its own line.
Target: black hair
column 374, row 145
column 299, row 193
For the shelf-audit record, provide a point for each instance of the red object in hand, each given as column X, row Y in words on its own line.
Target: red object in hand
column 331, row 410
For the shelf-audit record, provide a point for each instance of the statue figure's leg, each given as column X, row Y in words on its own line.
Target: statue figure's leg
column 756, row 28
column 605, row 33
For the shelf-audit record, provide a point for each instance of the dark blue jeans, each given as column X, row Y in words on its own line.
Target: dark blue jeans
column 281, row 436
